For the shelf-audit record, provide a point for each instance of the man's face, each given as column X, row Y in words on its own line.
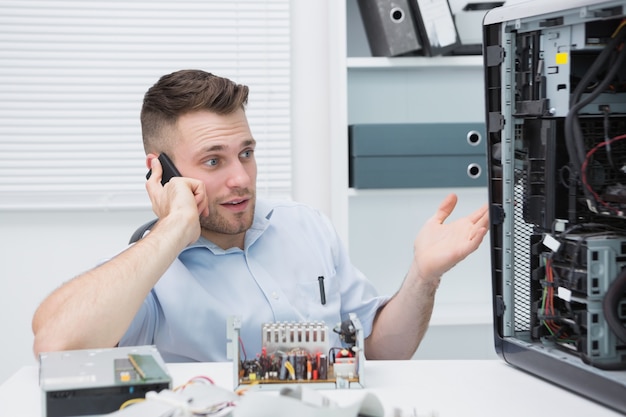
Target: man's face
column 219, row 150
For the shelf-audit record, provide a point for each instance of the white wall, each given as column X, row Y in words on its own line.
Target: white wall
column 39, row 251
column 383, row 226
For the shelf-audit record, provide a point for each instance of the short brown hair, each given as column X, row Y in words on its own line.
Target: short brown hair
column 181, row 92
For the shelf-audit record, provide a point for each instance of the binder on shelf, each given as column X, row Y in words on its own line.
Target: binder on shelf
column 390, row 27
column 417, row 155
column 436, row 27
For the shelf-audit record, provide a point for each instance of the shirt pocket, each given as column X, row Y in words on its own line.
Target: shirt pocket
column 320, row 299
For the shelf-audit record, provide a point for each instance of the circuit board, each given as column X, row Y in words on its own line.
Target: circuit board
column 300, row 353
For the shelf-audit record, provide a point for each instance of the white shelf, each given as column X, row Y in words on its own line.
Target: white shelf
column 409, row 191
column 415, row 62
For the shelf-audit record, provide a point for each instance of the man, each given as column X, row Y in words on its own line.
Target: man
column 217, row 251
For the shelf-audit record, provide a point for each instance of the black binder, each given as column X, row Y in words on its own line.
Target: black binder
column 389, row 27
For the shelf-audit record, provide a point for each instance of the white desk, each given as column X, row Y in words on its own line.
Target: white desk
column 453, row 388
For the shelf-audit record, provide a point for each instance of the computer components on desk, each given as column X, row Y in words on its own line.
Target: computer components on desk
column 98, row 381
column 209, row 400
column 300, row 353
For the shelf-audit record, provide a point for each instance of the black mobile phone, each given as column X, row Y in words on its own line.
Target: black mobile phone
column 169, row 169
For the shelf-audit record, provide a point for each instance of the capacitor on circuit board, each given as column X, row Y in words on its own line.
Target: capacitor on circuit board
column 300, row 365
column 282, row 375
column 322, row 366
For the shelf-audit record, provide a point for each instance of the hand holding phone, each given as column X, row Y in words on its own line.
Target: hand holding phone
column 162, row 200
column 169, row 169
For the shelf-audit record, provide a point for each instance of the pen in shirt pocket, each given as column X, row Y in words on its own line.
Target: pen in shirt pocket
column 322, row 291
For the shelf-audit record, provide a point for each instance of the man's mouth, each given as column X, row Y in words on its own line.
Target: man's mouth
column 235, row 202
column 239, row 204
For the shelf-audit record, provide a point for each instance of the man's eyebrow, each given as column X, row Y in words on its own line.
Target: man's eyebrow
column 215, row 148
column 245, row 143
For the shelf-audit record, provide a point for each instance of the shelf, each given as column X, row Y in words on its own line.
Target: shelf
column 409, row 192
column 415, row 62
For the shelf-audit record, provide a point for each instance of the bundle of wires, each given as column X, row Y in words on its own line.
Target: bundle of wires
column 609, row 60
column 558, row 326
column 586, row 184
column 198, row 397
column 550, row 315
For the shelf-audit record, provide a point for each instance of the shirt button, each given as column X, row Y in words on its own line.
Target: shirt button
column 275, row 295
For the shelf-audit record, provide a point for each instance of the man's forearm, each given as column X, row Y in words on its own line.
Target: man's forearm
column 401, row 324
column 95, row 308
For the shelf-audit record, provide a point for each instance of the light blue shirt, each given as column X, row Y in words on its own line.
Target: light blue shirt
column 273, row 279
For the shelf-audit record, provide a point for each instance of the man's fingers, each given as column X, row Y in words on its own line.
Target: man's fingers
column 445, row 208
column 202, row 200
column 480, row 216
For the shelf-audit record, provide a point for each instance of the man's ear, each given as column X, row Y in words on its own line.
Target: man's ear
column 149, row 158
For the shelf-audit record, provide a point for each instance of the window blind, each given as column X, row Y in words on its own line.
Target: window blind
column 72, row 78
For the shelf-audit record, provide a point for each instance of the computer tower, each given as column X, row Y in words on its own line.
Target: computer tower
column 555, row 97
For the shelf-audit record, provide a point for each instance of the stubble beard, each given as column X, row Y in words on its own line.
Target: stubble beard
column 218, row 223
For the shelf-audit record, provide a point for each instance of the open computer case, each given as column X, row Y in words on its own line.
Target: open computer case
column 555, row 85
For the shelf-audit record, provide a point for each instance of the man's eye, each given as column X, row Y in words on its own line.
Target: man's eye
column 247, row 154
column 211, row 162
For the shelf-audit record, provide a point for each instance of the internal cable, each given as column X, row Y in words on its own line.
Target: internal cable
column 585, row 164
column 606, row 110
column 573, row 133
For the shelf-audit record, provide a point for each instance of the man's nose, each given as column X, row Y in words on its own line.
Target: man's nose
column 238, row 176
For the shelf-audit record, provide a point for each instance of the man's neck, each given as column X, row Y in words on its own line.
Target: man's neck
column 225, row 241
